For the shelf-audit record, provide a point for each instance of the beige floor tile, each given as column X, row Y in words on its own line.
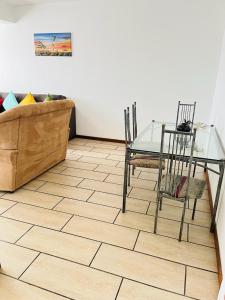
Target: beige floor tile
column 60, row 244
column 109, row 151
column 166, row 227
column 89, row 210
column 131, row 290
column 101, row 161
column 116, row 201
column 202, row 205
column 5, row 204
column 145, row 184
column 201, row 284
column 57, row 169
column 148, row 176
column 15, row 259
column 175, row 213
column 73, row 157
column 135, row 220
column 61, row 179
column 115, row 170
column 1, row 193
column 170, row 228
column 90, row 154
column 37, row 216
column 201, row 235
column 72, row 280
column 116, row 157
column 100, row 231
column 103, row 146
column 102, row 186
column 168, row 211
column 33, row 185
column 11, row 230
column 182, row 252
column 13, row 289
column 140, row 267
column 68, row 151
column 120, row 164
column 201, row 218
column 148, row 170
column 85, row 174
column 33, row 198
column 80, row 147
column 143, row 194
column 66, row 191
column 78, row 141
column 78, row 165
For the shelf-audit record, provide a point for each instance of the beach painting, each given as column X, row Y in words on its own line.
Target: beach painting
column 53, row 44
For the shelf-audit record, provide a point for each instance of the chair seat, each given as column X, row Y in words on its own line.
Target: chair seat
column 146, row 161
column 176, row 186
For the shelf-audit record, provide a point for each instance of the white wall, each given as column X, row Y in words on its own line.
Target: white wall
column 7, row 13
column 217, row 118
column 154, row 52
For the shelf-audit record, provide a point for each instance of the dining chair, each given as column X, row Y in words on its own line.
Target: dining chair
column 185, row 112
column 176, row 183
column 135, row 160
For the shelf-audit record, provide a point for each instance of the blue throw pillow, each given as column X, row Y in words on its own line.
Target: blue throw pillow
column 10, row 101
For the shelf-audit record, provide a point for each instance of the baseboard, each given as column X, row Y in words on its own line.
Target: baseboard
column 219, row 266
column 100, row 139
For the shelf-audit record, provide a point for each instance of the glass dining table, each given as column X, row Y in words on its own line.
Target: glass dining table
column 208, row 151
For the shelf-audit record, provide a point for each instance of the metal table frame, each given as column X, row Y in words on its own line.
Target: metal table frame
column 197, row 160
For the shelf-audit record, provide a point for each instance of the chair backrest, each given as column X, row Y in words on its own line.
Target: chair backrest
column 177, row 149
column 127, row 126
column 134, row 120
column 185, row 112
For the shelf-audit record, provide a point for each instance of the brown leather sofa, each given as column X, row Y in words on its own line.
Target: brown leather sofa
column 41, row 98
column 33, row 138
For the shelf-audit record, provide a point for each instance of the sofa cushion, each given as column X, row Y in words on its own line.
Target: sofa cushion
column 10, row 101
column 29, row 99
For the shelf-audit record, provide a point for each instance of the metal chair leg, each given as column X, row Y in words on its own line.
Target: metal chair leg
column 129, row 169
column 156, row 212
column 133, row 168
column 194, row 169
column 125, row 186
column 182, row 220
column 160, row 203
column 194, row 208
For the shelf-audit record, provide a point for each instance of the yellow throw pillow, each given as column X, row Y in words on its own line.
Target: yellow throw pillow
column 29, row 99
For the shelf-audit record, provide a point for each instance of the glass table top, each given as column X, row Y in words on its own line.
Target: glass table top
column 207, row 144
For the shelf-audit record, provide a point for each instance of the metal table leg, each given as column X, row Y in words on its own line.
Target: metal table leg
column 215, row 206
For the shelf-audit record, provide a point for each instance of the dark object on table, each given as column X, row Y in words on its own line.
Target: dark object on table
column 185, row 126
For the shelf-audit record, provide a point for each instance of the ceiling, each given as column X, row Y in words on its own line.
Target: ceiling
column 24, row 2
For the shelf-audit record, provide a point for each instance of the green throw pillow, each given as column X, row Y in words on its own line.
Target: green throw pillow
column 48, row 98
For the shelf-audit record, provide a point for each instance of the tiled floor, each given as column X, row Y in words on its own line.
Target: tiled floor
column 63, row 236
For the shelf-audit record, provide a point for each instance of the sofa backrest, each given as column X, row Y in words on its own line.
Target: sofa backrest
column 37, row 97
column 11, row 121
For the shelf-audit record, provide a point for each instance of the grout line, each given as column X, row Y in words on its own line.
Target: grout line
column 136, row 240
column 53, row 208
column 29, row 265
column 116, row 216
column 9, row 207
column 66, row 223
column 119, row 288
column 149, row 204
column 95, row 255
column 23, row 235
